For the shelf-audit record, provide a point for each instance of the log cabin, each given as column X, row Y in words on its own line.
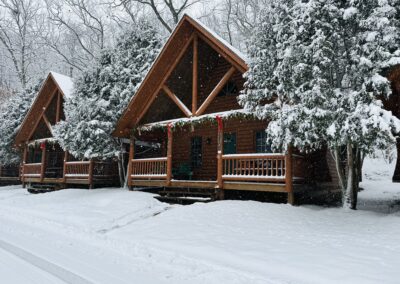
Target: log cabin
column 45, row 163
column 393, row 104
column 187, row 110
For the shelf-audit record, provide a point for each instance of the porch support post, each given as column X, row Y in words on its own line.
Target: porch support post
column 43, row 162
column 23, row 165
column 220, row 151
column 169, row 155
column 289, row 174
column 396, row 175
column 91, row 167
column 65, row 166
column 195, row 73
column 130, row 165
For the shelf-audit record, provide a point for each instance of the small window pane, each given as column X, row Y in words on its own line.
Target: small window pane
column 262, row 146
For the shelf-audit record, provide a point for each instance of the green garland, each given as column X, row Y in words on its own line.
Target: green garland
column 195, row 121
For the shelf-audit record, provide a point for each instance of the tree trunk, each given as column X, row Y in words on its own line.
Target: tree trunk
column 349, row 198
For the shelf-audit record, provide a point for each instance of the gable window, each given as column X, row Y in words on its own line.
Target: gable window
column 262, row 145
column 196, row 152
column 230, row 89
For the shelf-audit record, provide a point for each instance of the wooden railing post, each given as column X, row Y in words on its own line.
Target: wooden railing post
column 65, row 166
column 130, row 165
column 91, row 168
column 43, row 162
column 169, row 155
column 24, row 158
column 289, row 175
column 220, row 151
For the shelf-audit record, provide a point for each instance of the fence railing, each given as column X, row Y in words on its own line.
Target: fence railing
column 152, row 168
column 254, row 167
column 79, row 169
column 32, row 170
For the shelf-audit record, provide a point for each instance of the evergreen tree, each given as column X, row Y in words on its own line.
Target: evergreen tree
column 321, row 63
column 102, row 93
column 12, row 113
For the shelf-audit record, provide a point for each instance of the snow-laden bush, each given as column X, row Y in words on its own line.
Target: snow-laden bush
column 12, row 113
column 321, row 62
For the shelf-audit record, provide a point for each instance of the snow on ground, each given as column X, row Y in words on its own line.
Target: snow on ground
column 116, row 236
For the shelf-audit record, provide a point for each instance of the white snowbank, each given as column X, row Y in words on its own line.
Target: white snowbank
column 117, row 236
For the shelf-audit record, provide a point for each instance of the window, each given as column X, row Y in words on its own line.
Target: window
column 196, row 152
column 229, row 89
column 262, row 146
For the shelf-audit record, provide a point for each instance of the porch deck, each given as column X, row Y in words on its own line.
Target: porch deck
column 248, row 172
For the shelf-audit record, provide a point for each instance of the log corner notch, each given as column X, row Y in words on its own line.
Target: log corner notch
column 289, row 175
column 220, row 150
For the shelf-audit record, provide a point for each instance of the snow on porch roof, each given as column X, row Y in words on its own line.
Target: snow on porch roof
column 197, row 119
column 64, row 82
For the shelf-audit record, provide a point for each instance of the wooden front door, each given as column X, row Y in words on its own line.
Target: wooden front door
column 229, row 143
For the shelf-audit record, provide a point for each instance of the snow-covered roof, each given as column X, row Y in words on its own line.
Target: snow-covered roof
column 65, row 83
column 200, row 118
column 223, row 41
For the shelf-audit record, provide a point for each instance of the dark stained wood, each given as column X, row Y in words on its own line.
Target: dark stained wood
column 131, row 156
column 195, row 73
column 215, row 91
column 177, row 101
column 169, row 155
column 220, row 151
column 396, row 175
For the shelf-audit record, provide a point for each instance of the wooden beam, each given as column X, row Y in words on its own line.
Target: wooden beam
column 165, row 78
column 195, row 73
column 58, row 112
column 216, row 90
column 289, row 175
column 131, row 157
column 169, row 155
column 91, row 168
column 47, row 122
column 23, row 164
column 43, row 162
column 220, row 152
column 177, row 101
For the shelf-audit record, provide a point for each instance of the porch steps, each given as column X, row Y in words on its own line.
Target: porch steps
column 185, row 196
column 43, row 188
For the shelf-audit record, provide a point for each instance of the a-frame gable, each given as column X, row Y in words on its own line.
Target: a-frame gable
column 186, row 37
column 46, row 110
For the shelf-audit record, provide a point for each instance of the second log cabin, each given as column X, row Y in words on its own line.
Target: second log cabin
column 44, row 161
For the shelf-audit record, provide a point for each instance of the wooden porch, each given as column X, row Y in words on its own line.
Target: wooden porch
column 262, row 172
column 52, row 170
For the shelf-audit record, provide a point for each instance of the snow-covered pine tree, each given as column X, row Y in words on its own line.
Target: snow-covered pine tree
column 321, row 63
column 12, row 113
column 102, row 93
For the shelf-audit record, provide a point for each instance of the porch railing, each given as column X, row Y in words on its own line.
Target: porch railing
column 254, row 167
column 152, row 168
column 32, row 170
column 80, row 170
